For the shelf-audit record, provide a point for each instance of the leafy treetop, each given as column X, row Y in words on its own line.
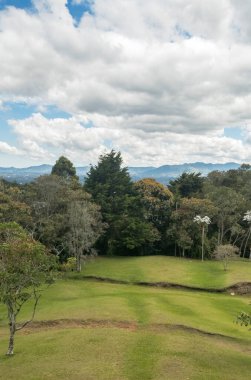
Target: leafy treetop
column 187, row 184
column 64, row 168
column 112, row 188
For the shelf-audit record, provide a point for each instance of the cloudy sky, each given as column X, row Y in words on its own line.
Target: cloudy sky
column 164, row 81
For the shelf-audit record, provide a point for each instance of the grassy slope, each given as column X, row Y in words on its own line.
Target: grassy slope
column 98, row 301
column 150, row 352
column 209, row 274
column 112, row 354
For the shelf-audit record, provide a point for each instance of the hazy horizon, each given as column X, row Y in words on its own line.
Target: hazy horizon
column 131, row 166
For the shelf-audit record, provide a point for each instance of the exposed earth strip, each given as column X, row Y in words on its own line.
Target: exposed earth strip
column 240, row 288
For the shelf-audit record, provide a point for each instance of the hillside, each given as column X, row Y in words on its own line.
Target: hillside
column 91, row 330
column 188, row 272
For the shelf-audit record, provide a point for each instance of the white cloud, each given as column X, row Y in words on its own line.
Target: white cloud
column 6, row 148
column 48, row 138
column 83, row 143
column 150, row 76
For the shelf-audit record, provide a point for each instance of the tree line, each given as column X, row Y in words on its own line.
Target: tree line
column 112, row 215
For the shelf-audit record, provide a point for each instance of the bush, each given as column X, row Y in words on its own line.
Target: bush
column 224, row 253
column 69, row 265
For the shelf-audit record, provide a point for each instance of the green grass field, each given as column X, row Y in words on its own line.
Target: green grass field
column 91, row 330
column 208, row 274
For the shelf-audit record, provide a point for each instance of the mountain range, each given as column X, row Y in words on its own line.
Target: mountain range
column 162, row 174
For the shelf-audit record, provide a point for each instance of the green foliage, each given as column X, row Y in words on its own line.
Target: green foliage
column 142, row 218
column 12, row 207
column 64, row 168
column 157, row 201
column 48, row 197
column 24, row 263
column 230, row 209
column 187, row 184
column 69, row 265
column 244, row 319
column 109, row 184
column 84, row 226
column 58, row 208
column 135, row 235
column 111, row 187
column 24, row 268
column 238, row 180
column 186, row 233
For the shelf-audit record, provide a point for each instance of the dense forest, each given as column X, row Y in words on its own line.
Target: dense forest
column 112, row 215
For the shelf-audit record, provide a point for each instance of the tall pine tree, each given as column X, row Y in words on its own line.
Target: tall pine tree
column 111, row 187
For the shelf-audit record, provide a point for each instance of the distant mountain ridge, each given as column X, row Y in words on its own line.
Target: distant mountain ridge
column 163, row 174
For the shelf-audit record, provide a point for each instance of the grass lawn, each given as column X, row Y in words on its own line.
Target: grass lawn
column 208, row 274
column 133, row 332
column 85, row 300
column 114, row 354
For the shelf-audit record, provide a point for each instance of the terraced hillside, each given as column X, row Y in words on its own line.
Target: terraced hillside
column 87, row 329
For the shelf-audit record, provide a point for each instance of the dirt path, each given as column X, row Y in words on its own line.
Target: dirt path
column 240, row 288
column 125, row 325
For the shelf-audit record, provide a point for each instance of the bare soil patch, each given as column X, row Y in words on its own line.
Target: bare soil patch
column 240, row 288
column 125, row 325
column 79, row 323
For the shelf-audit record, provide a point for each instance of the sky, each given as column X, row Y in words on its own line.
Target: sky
column 164, row 81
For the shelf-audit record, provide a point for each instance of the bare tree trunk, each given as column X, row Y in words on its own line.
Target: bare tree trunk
column 242, row 242
column 12, row 325
column 78, row 262
column 248, row 236
column 230, row 238
column 222, row 231
column 236, row 239
column 202, row 243
column 219, row 236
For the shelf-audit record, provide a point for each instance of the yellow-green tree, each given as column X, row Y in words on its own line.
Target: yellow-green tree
column 157, row 201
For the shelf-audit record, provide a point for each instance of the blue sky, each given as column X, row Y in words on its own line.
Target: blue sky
column 76, row 9
column 16, row 3
column 164, row 83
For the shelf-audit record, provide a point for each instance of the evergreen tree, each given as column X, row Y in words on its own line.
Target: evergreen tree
column 112, row 188
column 64, row 168
column 187, row 185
